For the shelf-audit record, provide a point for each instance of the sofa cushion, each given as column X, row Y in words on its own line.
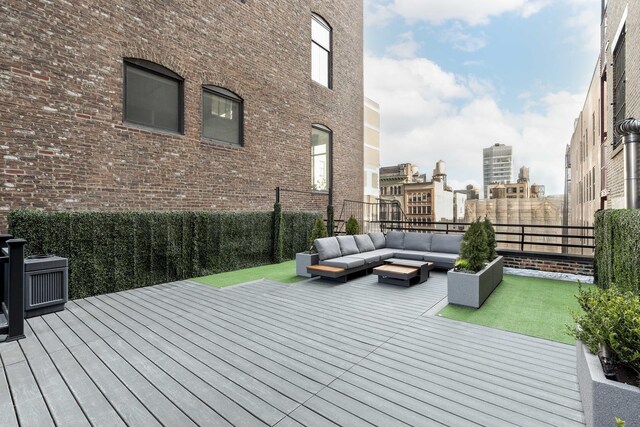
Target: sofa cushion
column 345, row 262
column 347, row 245
column 418, row 241
column 368, row 257
column 441, row 259
column 405, row 254
column 395, row 239
column 384, row 253
column 447, row 243
column 327, row 247
column 364, row 242
column 378, row 240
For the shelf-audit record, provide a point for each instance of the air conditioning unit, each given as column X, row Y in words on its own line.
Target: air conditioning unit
column 46, row 279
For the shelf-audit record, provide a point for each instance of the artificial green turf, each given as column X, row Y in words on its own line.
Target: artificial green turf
column 284, row 272
column 527, row 305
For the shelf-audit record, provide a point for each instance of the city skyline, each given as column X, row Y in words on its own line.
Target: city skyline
column 454, row 78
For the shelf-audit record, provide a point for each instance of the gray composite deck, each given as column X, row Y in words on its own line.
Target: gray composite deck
column 313, row 353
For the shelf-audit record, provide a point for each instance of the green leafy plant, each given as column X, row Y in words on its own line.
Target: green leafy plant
column 491, row 239
column 620, row 423
column 617, row 249
column 114, row 251
column 610, row 317
column 352, row 227
column 474, row 248
column 319, row 231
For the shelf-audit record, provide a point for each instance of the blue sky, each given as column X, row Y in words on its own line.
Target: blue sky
column 455, row 76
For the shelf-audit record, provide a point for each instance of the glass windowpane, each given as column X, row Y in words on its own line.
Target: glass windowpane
column 152, row 100
column 320, row 34
column 221, row 119
column 320, row 159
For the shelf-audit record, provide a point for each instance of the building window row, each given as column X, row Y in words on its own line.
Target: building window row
column 154, row 97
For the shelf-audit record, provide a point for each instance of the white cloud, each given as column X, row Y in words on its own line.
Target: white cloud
column 464, row 41
column 406, row 47
column 429, row 114
column 474, row 12
column 584, row 27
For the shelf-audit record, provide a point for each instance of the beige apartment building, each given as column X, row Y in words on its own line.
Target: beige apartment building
column 585, row 158
column 371, row 150
column 422, row 201
column 516, row 190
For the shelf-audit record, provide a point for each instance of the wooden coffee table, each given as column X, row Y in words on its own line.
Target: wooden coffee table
column 403, row 272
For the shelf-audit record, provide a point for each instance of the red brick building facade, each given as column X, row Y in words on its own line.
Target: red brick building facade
column 65, row 141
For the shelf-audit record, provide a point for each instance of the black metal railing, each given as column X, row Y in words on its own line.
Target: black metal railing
column 12, row 276
column 576, row 240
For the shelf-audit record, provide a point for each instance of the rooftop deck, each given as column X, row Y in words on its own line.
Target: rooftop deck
column 312, row 353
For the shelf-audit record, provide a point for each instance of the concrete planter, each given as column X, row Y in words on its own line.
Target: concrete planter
column 604, row 400
column 303, row 260
column 471, row 290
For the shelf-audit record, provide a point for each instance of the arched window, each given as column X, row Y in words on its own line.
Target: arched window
column 221, row 115
column 153, row 95
column 320, row 157
column 320, row 51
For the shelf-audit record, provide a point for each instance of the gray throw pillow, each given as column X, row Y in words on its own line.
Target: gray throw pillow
column 447, row 243
column 395, row 239
column 327, row 248
column 364, row 242
column 348, row 245
column 418, row 241
column 378, row 240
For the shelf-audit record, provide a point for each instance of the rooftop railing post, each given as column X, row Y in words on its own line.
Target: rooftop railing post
column 277, row 194
column 4, row 279
column 16, row 289
column 522, row 237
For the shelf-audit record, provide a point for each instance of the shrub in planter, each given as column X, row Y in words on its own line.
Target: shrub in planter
column 474, row 247
column 491, row 239
column 611, row 321
column 319, row 231
column 352, row 227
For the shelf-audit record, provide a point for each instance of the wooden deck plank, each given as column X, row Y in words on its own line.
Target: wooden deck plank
column 30, row 405
column 209, row 365
column 311, row 353
column 211, row 350
column 7, row 411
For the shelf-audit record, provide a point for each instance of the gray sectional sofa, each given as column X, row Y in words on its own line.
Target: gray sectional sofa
column 363, row 252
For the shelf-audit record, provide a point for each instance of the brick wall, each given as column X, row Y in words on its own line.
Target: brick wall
column 615, row 158
column 63, row 143
column 556, row 263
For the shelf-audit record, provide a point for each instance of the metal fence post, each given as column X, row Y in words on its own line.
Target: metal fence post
column 16, row 289
column 522, row 237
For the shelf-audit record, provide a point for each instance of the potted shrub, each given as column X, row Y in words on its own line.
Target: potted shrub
column 608, row 355
column 310, row 256
column 479, row 269
column 352, row 227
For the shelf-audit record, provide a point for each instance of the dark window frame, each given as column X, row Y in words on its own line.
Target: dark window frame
column 157, row 69
column 230, row 95
column 323, row 128
column 619, row 84
column 319, row 19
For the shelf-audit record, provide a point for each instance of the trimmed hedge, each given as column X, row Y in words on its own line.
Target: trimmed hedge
column 114, row 251
column 617, row 252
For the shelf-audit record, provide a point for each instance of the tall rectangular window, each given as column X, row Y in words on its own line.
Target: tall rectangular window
column 619, row 75
column 153, row 95
column 320, row 51
column 320, row 167
column 221, row 115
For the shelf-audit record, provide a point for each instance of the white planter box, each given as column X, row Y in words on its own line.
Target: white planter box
column 604, row 400
column 471, row 290
column 303, row 260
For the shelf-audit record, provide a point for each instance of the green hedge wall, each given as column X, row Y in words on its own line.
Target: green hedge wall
column 617, row 253
column 113, row 251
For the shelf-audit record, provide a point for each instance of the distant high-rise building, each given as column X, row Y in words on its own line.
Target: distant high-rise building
column 497, row 165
